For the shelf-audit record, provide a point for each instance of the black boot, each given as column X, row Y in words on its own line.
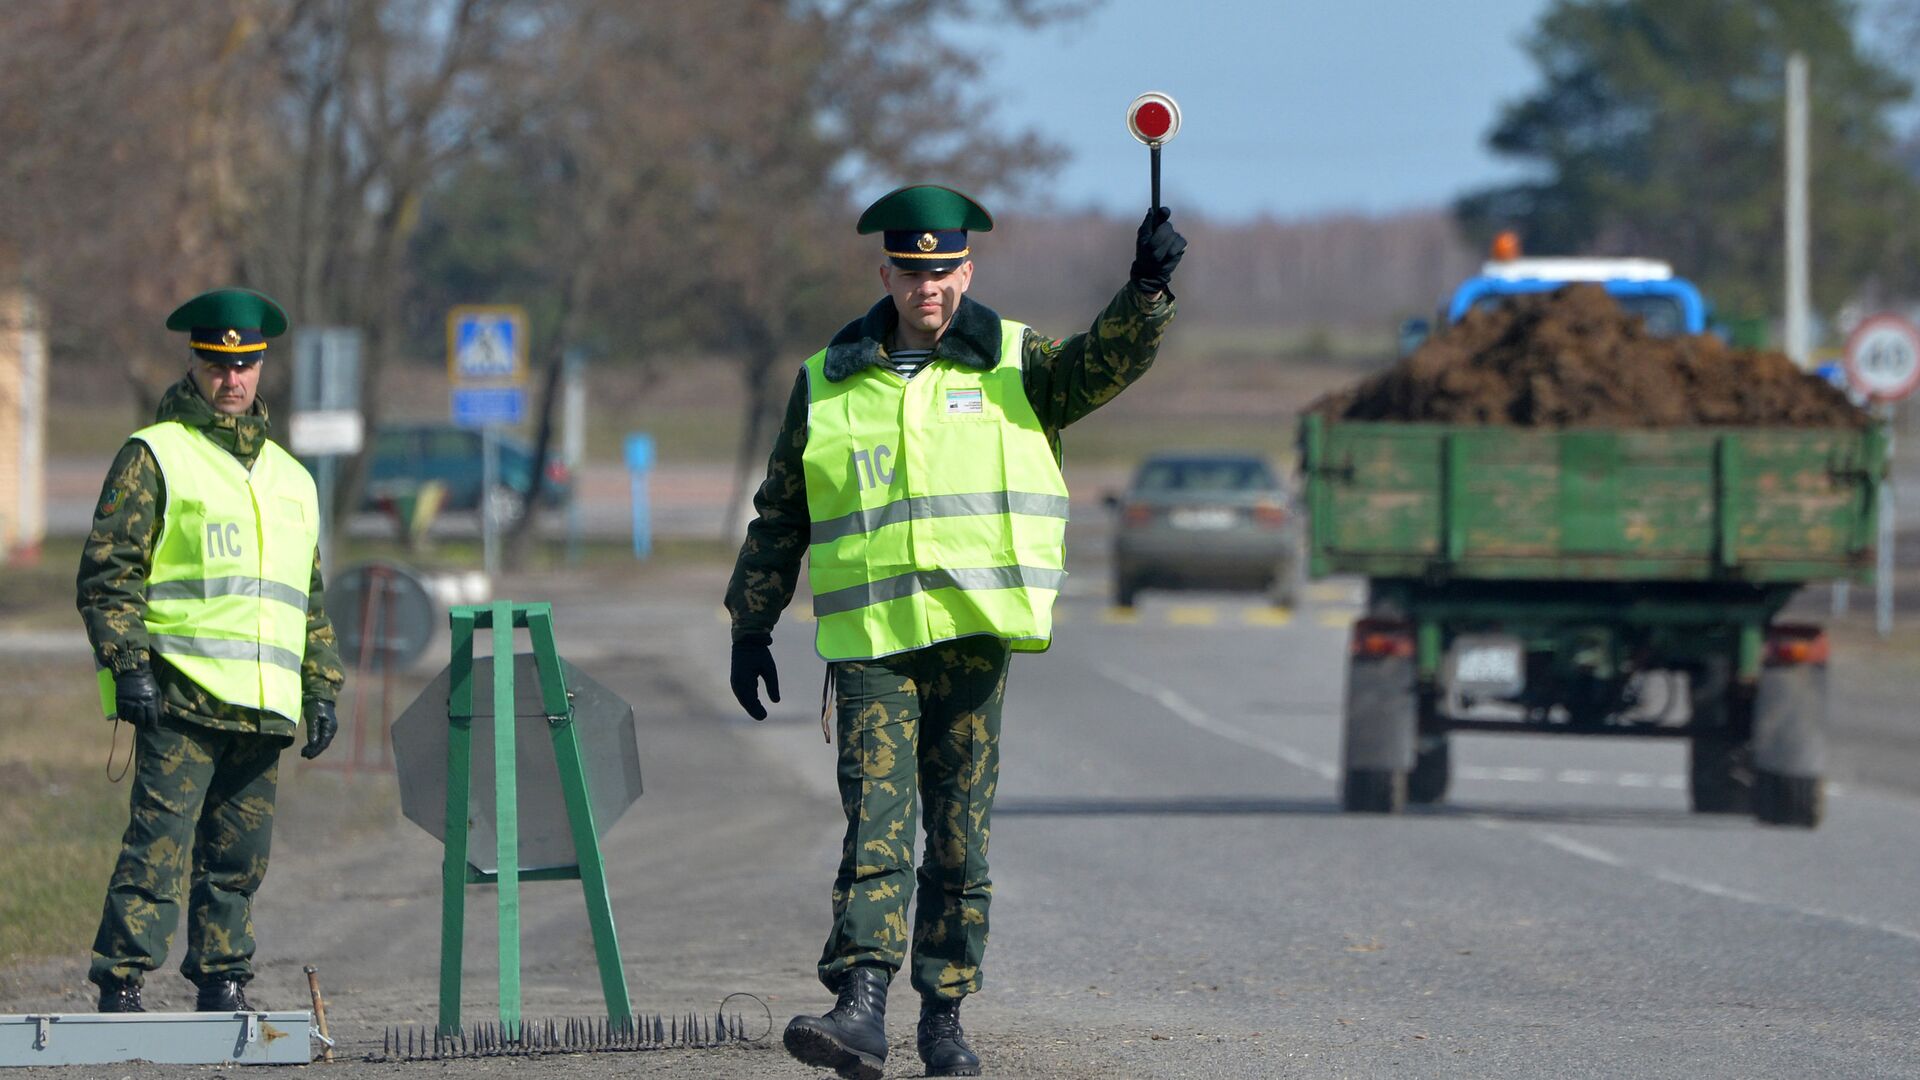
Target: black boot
column 943, row 1046
column 852, row 1038
column 117, row 996
column 222, row 995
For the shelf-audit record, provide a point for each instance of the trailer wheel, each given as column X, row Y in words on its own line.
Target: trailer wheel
column 1374, row 791
column 1432, row 770
column 1282, row 593
column 1798, row 801
column 1719, row 780
column 1125, row 588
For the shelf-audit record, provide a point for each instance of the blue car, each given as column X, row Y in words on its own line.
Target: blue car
column 406, row 456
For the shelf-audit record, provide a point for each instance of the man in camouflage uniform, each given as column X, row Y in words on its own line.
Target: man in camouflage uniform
column 205, row 769
column 922, row 723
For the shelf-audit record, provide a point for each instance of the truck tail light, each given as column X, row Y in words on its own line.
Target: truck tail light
column 1137, row 514
column 1791, row 643
column 1379, row 639
column 1270, row 516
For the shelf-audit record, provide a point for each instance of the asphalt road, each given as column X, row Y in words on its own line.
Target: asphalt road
column 1176, row 893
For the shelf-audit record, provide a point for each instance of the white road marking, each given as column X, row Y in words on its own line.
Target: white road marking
column 1199, row 718
column 1519, row 775
column 1575, row 847
column 1701, row 885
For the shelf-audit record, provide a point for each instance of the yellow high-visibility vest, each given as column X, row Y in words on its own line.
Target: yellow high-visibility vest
column 227, row 590
column 938, row 509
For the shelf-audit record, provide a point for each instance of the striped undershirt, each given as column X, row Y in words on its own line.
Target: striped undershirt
column 907, row 362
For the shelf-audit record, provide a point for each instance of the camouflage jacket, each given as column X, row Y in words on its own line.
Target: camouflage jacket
column 1065, row 380
column 112, row 585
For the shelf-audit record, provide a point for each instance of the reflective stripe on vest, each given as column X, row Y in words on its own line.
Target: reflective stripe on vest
column 938, row 510
column 227, row 588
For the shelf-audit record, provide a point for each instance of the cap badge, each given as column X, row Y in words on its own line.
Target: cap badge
column 926, row 242
column 231, row 338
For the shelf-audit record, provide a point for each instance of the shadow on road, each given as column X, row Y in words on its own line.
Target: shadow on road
column 1641, row 816
column 1231, row 805
column 1175, row 806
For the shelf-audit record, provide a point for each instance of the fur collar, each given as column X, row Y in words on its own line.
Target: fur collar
column 240, row 435
column 973, row 339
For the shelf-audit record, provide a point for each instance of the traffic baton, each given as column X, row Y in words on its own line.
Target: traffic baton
column 1154, row 118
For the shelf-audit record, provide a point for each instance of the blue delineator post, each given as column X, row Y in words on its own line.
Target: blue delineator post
column 639, row 470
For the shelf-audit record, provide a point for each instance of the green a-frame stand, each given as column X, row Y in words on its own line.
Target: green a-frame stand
column 458, row 873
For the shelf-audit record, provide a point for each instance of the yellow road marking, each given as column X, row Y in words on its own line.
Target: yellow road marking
column 1119, row 616
column 1192, row 615
column 1330, row 594
column 1267, row 616
column 1338, row 619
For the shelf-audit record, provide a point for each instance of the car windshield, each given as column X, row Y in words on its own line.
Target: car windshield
column 1205, row 475
column 1663, row 314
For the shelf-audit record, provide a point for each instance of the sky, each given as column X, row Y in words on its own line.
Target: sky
column 1290, row 108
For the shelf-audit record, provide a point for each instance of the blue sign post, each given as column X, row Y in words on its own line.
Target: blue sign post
column 486, row 373
column 639, row 468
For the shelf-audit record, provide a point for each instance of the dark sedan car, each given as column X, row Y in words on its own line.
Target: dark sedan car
column 1205, row 521
column 405, row 456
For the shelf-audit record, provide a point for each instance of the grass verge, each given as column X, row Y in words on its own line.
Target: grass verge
column 62, row 817
column 39, row 595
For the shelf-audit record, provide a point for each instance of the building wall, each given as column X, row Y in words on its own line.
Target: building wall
column 23, row 427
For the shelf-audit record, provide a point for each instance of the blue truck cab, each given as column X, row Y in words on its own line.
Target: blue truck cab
column 1645, row 287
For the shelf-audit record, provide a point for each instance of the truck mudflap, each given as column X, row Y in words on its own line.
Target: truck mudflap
column 1381, row 730
column 1790, row 728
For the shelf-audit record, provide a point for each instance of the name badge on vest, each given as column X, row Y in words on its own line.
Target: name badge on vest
column 965, row 403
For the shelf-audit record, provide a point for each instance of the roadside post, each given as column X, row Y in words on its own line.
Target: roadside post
column 639, row 471
column 1154, row 119
column 1883, row 364
column 487, row 373
column 573, row 441
column 327, row 422
column 383, row 619
column 530, row 808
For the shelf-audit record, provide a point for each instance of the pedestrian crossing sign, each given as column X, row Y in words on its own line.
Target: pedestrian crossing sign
column 487, row 345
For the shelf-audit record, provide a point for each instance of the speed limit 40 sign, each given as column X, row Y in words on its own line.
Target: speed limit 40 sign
column 1883, row 357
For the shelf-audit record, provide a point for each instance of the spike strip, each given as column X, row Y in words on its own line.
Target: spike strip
column 534, row 1038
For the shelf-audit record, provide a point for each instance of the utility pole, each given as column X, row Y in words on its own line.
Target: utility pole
column 1798, row 290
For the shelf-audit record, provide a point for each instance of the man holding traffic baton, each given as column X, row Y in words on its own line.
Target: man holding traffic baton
column 918, row 470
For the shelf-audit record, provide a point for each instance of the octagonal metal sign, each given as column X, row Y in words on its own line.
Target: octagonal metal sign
column 609, row 749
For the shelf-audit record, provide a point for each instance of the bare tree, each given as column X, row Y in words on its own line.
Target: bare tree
column 382, row 98
column 134, row 145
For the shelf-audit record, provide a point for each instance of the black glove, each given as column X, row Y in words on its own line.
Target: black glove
column 753, row 661
column 321, row 726
column 1156, row 251
column 136, row 698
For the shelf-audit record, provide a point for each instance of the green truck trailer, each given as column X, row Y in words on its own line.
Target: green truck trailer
column 1599, row 582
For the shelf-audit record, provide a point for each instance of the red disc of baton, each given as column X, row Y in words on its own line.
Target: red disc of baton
column 1153, row 118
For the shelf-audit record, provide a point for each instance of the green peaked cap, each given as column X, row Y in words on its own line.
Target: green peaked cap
column 925, row 207
column 230, row 309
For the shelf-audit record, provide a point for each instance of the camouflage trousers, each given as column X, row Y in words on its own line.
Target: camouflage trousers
column 202, row 800
column 920, row 727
